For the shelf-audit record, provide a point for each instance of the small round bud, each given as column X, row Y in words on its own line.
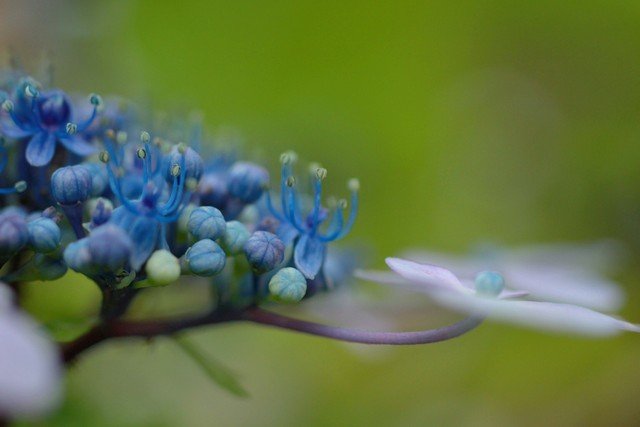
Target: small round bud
column 264, row 251
column 235, row 237
column 354, row 184
column 71, row 185
column 77, row 257
column 110, row 248
column 20, row 186
column 192, row 162
column 489, row 283
column 145, row 137
column 71, row 128
column 163, row 268
column 206, row 222
column 14, row 234
column 44, row 235
column 247, row 181
column 288, row 285
column 95, row 99
column 205, row 258
column 213, row 190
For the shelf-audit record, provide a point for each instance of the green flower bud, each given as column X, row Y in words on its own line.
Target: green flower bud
column 163, row 268
column 288, row 285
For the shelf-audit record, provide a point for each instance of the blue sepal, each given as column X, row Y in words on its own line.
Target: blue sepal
column 308, row 255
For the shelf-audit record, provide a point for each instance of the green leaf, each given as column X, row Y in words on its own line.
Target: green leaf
column 217, row 372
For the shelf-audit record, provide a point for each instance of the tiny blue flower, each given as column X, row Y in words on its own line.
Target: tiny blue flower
column 235, row 237
column 205, row 258
column 288, row 285
column 264, row 251
column 247, row 181
column 71, row 185
column 206, row 222
column 309, row 242
column 44, row 235
column 47, row 119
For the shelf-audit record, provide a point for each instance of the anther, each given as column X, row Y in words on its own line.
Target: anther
column 20, row 186
column 95, row 99
column 110, row 133
column 142, row 153
column 175, row 169
column 291, row 181
column 104, row 157
column 191, row 184
column 182, row 147
column 121, row 137
column 288, row 157
column 321, row 173
column 7, row 106
column 342, row 204
column 353, row 184
column 145, row 137
column 31, row 91
column 71, row 128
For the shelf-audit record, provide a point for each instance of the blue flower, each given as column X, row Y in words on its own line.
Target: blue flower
column 145, row 218
column 46, row 118
column 310, row 243
column 19, row 186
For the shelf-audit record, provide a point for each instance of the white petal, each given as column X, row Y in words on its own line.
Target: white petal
column 30, row 368
column 384, row 277
column 547, row 316
column 429, row 277
column 588, row 290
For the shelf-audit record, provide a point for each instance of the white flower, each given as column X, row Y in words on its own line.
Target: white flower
column 488, row 298
column 30, row 365
column 560, row 272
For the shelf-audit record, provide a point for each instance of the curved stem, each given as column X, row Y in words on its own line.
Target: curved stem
column 428, row 336
column 152, row 328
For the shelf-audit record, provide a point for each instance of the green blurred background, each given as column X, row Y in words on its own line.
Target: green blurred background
column 517, row 122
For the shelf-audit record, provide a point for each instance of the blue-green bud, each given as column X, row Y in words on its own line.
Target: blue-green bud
column 489, row 283
column 234, row 238
column 44, row 234
column 288, row 285
column 264, row 251
column 206, row 222
column 205, row 258
column 14, row 233
column 247, row 181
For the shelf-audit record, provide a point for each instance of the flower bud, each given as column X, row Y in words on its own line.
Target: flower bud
column 235, row 237
column 206, row 222
column 288, row 285
column 213, row 191
column 101, row 212
column 264, row 251
column 192, row 162
column 247, row 181
column 489, row 283
column 14, row 233
column 110, row 248
column 77, row 257
column 99, row 178
column 44, row 234
column 205, row 258
column 163, row 268
column 71, row 185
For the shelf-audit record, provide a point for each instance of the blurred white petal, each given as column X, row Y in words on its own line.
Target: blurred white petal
column 30, row 367
column 431, row 277
column 547, row 316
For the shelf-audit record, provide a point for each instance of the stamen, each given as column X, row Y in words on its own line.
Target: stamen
column 71, row 128
column 145, row 137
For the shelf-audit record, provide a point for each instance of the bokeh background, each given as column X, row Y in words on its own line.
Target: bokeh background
column 514, row 122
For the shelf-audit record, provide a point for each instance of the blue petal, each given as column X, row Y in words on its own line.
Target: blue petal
column 287, row 233
column 12, row 131
column 41, row 148
column 309, row 255
column 77, row 145
column 143, row 231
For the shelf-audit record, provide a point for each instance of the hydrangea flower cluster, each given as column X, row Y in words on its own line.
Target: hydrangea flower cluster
column 93, row 187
